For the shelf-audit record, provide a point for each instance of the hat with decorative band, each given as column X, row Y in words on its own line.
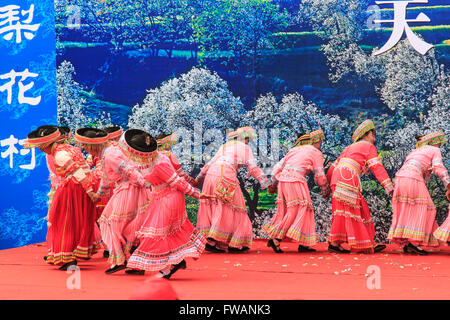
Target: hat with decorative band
column 114, row 132
column 362, row 129
column 42, row 137
column 302, row 140
column 139, row 146
column 66, row 134
column 317, row 136
column 433, row 138
column 90, row 136
column 165, row 141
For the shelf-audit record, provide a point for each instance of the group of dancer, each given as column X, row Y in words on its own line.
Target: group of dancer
column 127, row 196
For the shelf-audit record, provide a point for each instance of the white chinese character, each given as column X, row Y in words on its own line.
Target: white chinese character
column 401, row 25
column 10, row 142
column 24, row 152
column 10, row 23
column 22, row 88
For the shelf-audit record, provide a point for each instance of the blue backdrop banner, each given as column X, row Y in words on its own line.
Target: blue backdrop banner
column 27, row 100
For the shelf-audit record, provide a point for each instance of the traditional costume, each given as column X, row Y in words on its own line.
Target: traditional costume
column 56, row 180
column 225, row 222
column 413, row 221
column 94, row 141
column 125, row 211
column 167, row 237
column 72, row 213
column 294, row 218
column 351, row 222
column 443, row 232
column 165, row 144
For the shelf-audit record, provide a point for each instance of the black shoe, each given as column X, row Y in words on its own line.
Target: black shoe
column 236, row 250
column 45, row 258
column 275, row 248
column 105, row 254
column 305, row 249
column 135, row 272
column 214, row 249
column 335, row 249
column 379, row 247
column 181, row 265
column 414, row 249
column 133, row 248
column 65, row 266
column 116, row 268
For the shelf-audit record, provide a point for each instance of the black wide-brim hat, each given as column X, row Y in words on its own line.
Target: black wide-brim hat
column 135, row 146
column 90, row 136
column 43, row 136
column 136, row 139
column 114, row 132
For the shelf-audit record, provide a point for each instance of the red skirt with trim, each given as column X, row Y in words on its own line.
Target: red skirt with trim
column 72, row 218
column 352, row 225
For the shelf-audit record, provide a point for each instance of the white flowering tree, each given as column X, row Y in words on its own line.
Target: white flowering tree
column 197, row 105
column 72, row 107
column 69, row 98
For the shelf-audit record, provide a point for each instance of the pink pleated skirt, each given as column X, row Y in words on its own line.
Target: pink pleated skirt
column 167, row 236
column 443, row 232
column 122, row 217
column 414, row 213
column 294, row 218
column 226, row 223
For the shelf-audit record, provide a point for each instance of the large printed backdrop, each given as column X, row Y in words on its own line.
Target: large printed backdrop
column 27, row 100
column 281, row 66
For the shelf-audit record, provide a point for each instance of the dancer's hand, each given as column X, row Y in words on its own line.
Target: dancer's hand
column 94, row 196
column 197, row 182
column 207, row 196
column 447, row 194
column 273, row 188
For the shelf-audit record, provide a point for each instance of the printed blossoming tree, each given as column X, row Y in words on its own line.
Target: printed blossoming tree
column 71, row 104
column 197, row 101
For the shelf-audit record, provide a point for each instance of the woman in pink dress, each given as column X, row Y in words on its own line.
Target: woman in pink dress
column 225, row 222
column 413, row 221
column 167, row 237
column 351, row 222
column 165, row 143
column 294, row 218
column 126, row 209
column 72, row 212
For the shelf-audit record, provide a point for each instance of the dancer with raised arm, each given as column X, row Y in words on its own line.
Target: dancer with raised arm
column 225, row 222
column 351, row 222
column 413, row 221
column 294, row 218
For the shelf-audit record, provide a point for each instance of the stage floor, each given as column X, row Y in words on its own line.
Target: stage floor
column 259, row 274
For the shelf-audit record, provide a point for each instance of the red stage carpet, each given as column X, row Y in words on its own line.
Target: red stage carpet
column 259, row 274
